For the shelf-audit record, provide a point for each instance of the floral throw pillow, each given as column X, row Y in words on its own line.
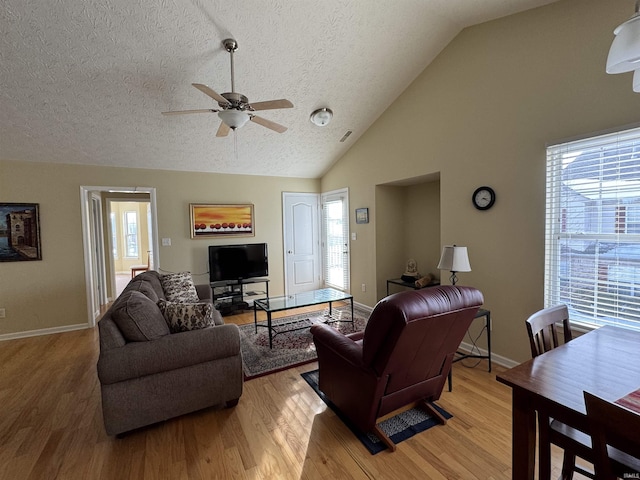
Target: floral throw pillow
column 182, row 317
column 179, row 287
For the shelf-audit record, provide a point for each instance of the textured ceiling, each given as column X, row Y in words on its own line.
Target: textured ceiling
column 84, row 81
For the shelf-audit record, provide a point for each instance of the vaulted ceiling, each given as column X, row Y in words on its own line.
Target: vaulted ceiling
column 85, row 82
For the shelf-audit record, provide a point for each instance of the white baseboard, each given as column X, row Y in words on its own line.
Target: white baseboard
column 466, row 347
column 43, row 331
column 362, row 306
column 498, row 359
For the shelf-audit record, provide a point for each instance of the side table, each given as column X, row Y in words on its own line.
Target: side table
column 402, row 283
column 461, row 355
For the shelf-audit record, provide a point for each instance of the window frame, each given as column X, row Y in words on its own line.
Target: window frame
column 580, row 209
column 127, row 235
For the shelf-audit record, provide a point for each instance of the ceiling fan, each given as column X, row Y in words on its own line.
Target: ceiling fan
column 235, row 109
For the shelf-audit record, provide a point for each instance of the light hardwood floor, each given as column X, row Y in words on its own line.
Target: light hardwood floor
column 51, row 427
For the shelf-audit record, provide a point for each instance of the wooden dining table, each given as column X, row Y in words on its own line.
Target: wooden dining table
column 605, row 362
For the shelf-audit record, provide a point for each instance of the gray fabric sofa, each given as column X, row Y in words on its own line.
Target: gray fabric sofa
column 148, row 374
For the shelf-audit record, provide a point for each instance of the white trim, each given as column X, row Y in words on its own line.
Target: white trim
column 598, row 133
column 498, row 359
column 466, row 347
column 364, row 307
column 85, row 201
column 98, row 225
column 43, row 331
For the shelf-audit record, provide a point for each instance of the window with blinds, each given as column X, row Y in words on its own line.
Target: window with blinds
column 335, row 229
column 592, row 248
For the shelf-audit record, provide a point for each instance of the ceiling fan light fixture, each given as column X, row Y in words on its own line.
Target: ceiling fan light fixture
column 234, row 118
column 636, row 81
column 624, row 54
column 321, row 117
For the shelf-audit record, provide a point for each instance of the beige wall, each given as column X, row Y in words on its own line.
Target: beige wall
column 481, row 114
column 51, row 293
column 407, row 226
column 422, row 226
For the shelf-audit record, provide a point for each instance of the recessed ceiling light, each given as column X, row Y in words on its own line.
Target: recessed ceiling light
column 321, row 117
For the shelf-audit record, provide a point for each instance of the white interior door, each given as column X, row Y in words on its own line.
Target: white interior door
column 335, row 233
column 97, row 253
column 301, row 242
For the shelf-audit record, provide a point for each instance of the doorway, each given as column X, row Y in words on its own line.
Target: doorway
column 98, row 240
column 335, row 234
column 131, row 241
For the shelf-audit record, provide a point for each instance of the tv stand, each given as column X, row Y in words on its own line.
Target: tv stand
column 230, row 296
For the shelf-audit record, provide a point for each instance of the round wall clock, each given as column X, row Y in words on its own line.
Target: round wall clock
column 483, row 198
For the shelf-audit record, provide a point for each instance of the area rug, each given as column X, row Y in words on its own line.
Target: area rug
column 398, row 428
column 292, row 348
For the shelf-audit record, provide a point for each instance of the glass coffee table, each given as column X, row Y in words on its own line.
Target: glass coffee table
column 287, row 302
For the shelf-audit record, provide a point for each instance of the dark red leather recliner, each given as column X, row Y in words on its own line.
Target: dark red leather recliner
column 403, row 356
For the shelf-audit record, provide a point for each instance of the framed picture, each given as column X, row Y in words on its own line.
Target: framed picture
column 362, row 215
column 210, row 220
column 19, row 232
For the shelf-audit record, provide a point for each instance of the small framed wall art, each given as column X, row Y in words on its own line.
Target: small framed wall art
column 213, row 220
column 19, row 232
column 362, row 215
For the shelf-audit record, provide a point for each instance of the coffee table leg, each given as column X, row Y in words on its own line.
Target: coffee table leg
column 269, row 328
column 352, row 317
column 255, row 316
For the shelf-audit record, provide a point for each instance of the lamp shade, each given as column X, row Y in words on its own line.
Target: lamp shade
column 234, row 118
column 624, row 54
column 454, row 259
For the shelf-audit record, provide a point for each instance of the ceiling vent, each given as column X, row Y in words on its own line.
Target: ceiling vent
column 345, row 136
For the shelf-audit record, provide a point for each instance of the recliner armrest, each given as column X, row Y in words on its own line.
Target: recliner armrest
column 342, row 345
column 171, row 352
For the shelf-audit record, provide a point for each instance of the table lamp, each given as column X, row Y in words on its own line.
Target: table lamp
column 454, row 259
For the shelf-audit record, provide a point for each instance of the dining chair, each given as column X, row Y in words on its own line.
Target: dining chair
column 136, row 269
column 614, row 434
column 543, row 336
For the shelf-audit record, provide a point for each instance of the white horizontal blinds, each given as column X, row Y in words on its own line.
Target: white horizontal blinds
column 335, row 219
column 592, row 248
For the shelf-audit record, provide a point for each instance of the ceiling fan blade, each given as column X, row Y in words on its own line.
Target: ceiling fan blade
column 276, row 127
column 271, row 105
column 208, row 91
column 183, row 112
column 223, row 130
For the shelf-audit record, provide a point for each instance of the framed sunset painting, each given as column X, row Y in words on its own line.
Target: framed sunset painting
column 212, row 220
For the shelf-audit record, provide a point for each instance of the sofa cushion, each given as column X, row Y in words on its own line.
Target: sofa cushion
column 179, row 287
column 182, row 317
column 145, row 288
column 139, row 318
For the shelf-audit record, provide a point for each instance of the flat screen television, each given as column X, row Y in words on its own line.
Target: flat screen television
column 238, row 262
